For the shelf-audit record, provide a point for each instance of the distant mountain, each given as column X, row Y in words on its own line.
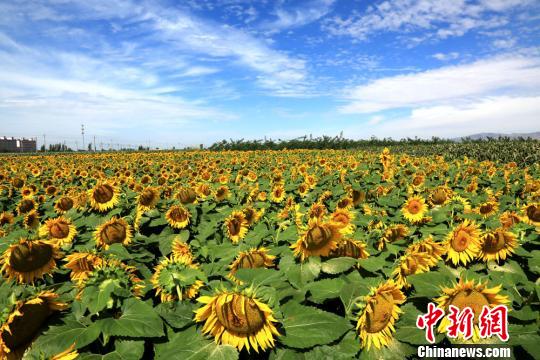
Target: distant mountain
column 533, row 135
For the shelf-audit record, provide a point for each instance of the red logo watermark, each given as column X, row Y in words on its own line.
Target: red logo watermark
column 491, row 321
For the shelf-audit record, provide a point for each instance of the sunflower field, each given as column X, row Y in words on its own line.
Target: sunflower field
column 292, row 254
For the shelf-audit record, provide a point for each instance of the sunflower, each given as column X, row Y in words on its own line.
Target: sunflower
column 31, row 220
column 434, row 249
column 29, row 260
column 463, row 243
column 532, row 214
column 64, row 204
column 391, row 234
column 251, row 259
column 278, row 193
column 148, row 198
column 409, row 264
column 6, row 218
column 177, row 278
column 318, row 239
column 222, row 193
column 509, row 219
column 350, row 248
column 303, row 189
column 236, row 226
column 488, row 208
column 180, row 249
column 24, row 321
column 317, row 210
column 114, row 231
column 468, row 294
column 59, row 230
column 25, row 206
column 497, row 244
column 103, row 197
column 440, row 196
column 238, row 319
column 68, row 354
column 345, row 203
column 252, row 215
column 414, row 209
column 343, row 218
column 379, row 313
column 81, row 264
column 186, row 195
column 178, row 217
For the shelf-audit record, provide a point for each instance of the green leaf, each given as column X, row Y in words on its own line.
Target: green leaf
column 347, row 348
column 373, row 263
column 306, row 326
column 429, row 284
column 126, row 350
column 338, row 265
column 97, row 298
column 176, row 314
column 138, row 319
column 324, row 289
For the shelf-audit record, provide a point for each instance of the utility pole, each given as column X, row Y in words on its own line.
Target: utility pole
column 82, row 132
column 94, row 143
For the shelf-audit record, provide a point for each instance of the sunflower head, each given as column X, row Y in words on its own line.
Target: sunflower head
column 509, row 219
column 114, row 231
column 463, row 243
column 531, row 214
column 81, row 264
column 222, row 193
column 468, row 294
column 59, row 230
column 350, row 248
column 434, row 249
column 319, row 239
column 25, row 206
column 64, row 204
column 6, row 218
column 414, row 209
column 251, row 259
column 28, row 260
column 103, row 197
column 31, row 220
column 236, row 226
column 178, row 216
column 186, row 195
column 177, row 278
column 497, row 244
column 488, row 208
column 278, row 193
column 343, row 218
column 440, row 196
column 252, row 215
column 148, row 198
column 317, row 210
column 391, row 234
column 378, row 314
column 409, row 264
column 238, row 319
column 24, row 320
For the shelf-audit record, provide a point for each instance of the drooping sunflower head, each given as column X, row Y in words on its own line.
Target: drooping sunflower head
column 319, row 239
column 414, row 209
column 6, row 218
column 81, row 264
column 177, row 278
column 25, row 206
column 343, row 218
column 103, row 196
column 410, row 264
column 468, row 294
column 251, row 259
column 434, row 249
column 497, row 244
column 28, row 260
column 358, row 196
column 509, row 219
column 178, row 216
column 463, row 243
column 317, row 210
column 236, row 226
column 350, row 248
column 238, row 319
column 392, row 233
column 60, row 230
column 23, row 322
column 377, row 317
column 531, row 214
column 64, row 204
column 252, row 215
column 440, row 196
column 186, row 195
column 222, row 193
column 148, row 198
column 114, row 231
column 180, row 249
column 31, row 220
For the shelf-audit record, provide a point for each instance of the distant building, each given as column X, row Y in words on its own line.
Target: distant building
column 11, row 144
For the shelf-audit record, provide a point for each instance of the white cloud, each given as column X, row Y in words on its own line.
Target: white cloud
column 287, row 18
column 199, row 71
column 446, row 56
column 456, row 84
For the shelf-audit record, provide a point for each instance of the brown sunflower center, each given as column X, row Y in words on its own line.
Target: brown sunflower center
column 348, row 249
column 412, row 265
column 103, row 193
column 113, row 233
column 26, row 258
column 243, row 317
column 147, row 197
column 251, row 261
column 494, row 242
column 317, row 237
column 59, row 230
column 533, row 213
column 23, row 328
column 341, row 218
column 65, row 204
column 486, row 208
column 418, row 180
column 461, row 240
column 26, row 205
column 381, row 313
column 234, row 226
column 470, row 298
column 187, row 196
column 414, row 207
column 439, row 197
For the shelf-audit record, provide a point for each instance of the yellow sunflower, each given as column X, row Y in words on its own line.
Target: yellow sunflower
column 343, row 218
column 222, row 193
column 509, row 219
column 64, row 204
column 186, row 195
column 6, row 218
column 379, row 313
column 238, row 319
column 114, row 231
column 178, row 217
column 24, row 321
column 180, row 249
column 31, row 220
column 148, row 198
column 409, row 264
column 252, row 215
column 532, row 214
column 236, row 226
column 463, row 243
column 177, row 278
column 25, row 206
column 251, row 259
column 434, row 249
column 28, row 260
column 440, row 196
column 103, row 197
column 317, row 210
column 278, row 193
column 81, row 264
column 391, row 234
column 318, row 239
column 497, row 244
column 60, row 230
column 488, row 208
column 414, row 209
column 468, row 294
column 350, row 248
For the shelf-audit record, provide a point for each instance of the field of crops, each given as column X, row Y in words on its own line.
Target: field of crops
column 300, row 254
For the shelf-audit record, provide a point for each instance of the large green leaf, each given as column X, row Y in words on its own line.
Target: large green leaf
column 324, row 289
column 138, row 319
column 338, row 265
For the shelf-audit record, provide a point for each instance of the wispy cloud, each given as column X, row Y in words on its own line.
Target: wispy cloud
column 446, row 56
column 306, row 13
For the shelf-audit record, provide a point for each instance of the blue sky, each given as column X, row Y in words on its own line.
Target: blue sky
column 178, row 73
